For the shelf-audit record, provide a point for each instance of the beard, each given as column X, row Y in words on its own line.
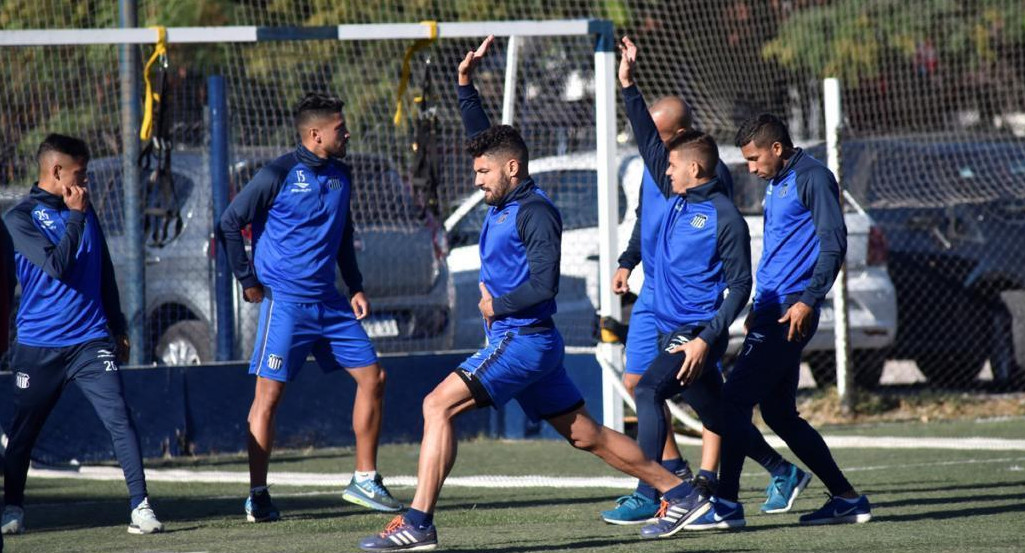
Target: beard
column 498, row 193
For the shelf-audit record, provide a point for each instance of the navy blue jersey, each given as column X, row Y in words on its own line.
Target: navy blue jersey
column 805, row 235
column 651, row 203
column 299, row 209
column 702, row 260
column 68, row 291
column 520, row 242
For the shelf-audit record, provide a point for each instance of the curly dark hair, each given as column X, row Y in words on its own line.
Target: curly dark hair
column 500, row 139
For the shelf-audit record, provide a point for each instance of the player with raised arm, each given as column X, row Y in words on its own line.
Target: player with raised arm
column 520, row 249
column 298, row 206
column 70, row 325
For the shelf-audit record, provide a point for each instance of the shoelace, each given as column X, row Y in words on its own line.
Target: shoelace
column 378, row 487
column 394, row 525
column 631, row 500
column 662, row 508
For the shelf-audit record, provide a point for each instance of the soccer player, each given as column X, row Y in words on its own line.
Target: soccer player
column 805, row 244
column 299, row 209
column 520, row 249
column 70, row 325
column 675, row 305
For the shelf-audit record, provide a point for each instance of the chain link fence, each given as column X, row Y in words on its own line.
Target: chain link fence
column 933, row 155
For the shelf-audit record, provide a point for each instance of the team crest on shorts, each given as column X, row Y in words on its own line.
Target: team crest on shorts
column 21, row 380
column 274, row 362
column 699, row 221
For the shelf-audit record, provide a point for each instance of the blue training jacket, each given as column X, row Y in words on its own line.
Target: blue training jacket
column 299, row 209
column 805, row 235
column 651, row 206
column 68, row 292
column 520, row 242
column 703, row 255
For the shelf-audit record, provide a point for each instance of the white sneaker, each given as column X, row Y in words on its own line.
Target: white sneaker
column 144, row 520
column 13, row 520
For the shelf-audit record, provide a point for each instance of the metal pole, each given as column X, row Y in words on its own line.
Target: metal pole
column 844, row 370
column 608, row 207
column 512, row 60
column 219, row 180
column 135, row 257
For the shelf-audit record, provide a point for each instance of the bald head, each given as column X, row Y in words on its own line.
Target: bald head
column 671, row 115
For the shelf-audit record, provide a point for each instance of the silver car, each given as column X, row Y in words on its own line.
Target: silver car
column 571, row 182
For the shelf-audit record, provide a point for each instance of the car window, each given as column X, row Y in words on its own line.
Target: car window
column 163, row 200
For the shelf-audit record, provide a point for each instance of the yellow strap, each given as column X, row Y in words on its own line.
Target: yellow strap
column 404, row 81
column 160, row 50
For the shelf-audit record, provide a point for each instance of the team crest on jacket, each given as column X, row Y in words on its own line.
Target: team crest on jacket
column 334, row 184
column 699, row 221
column 502, row 217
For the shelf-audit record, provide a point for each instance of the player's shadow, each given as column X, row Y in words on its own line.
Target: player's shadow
column 960, row 512
column 599, row 503
column 975, row 498
column 904, row 488
column 588, row 545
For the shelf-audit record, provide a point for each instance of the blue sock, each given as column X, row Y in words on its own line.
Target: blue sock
column 778, row 468
column 709, row 475
column 675, row 465
column 419, row 519
column 646, row 491
column 137, row 500
column 679, row 492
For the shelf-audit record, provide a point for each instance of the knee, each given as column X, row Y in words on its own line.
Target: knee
column 646, row 391
column 779, row 418
column 435, row 407
column 585, row 439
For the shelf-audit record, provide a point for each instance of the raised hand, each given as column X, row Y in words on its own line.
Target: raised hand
column 627, row 59
column 471, row 60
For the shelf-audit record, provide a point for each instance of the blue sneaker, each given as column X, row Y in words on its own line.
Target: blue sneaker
column 722, row 516
column 632, row 509
column 674, row 515
column 783, row 490
column 399, row 535
column 838, row 510
column 685, row 473
column 260, row 508
column 371, row 494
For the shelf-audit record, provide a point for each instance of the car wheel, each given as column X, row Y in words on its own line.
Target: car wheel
column 951, row 369
column 1007, row 357
column 185, row 343
column 868, row 367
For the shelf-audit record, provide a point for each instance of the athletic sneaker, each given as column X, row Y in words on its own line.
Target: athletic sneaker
column 144, row 520
column 704, row 486
column 685, row 473
column 722, row 516
column 260, row 508
column 399, row 535
column 838, row 510
column 13, row 521
column 371, row 494
column 632, row 509
column 783, row 490
column 674, row 515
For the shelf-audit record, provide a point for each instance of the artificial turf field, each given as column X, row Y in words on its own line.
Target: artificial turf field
column 924, row 500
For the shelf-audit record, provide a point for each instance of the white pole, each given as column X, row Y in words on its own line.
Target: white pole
column 844, row 370
column 608, row 211
column 512, row 60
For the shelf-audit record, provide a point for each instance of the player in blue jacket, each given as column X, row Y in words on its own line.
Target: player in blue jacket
column 520, row 249
column 804, row 246
column 298, row 206
column 70, row 325
column 677, row 282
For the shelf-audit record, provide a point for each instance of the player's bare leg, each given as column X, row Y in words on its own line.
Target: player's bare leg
column 366, row 413
column 261, row 428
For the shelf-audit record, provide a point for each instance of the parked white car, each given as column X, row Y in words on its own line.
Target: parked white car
column 571, row 182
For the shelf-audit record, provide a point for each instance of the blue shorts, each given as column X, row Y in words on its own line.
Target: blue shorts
column 642, row 337
column 526, row 366
column 290, row 331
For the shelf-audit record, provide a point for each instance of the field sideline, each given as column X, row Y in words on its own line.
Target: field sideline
column 925, row 500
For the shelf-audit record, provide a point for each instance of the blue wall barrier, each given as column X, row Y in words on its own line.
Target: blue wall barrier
column 204, row 408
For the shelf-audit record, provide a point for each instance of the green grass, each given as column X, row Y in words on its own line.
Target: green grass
column 924, row 501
